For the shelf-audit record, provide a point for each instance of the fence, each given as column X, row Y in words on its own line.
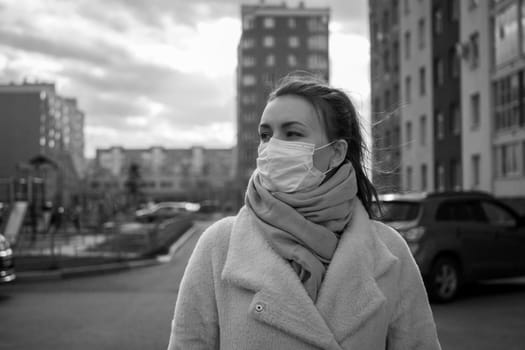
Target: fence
column 119, row 241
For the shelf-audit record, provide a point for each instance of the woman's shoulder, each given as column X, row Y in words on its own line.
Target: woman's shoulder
column 391, row 238
column 217, row 235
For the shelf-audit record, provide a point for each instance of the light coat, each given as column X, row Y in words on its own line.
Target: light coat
column 237, row 293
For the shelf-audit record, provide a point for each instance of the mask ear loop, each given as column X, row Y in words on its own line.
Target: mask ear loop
column 328, row 144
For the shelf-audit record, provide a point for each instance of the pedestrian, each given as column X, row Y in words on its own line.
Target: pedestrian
column 302, row 265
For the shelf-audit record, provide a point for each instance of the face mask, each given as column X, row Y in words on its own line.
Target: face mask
column 288, row 166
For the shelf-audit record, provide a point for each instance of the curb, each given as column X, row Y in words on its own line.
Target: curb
column 68, row 272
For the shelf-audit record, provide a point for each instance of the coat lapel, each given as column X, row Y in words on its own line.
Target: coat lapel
column 280, row 299
column 349, row 295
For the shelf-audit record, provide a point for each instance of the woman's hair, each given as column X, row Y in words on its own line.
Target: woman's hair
column 341, row 121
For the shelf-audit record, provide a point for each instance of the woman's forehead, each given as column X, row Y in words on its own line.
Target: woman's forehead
column 290, row 108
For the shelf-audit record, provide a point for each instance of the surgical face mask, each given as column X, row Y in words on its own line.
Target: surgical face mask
column 288, row 166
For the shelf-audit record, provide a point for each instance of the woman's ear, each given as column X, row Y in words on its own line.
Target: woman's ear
column 340, row 147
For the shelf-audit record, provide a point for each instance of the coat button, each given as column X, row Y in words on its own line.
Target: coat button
column 259, row 307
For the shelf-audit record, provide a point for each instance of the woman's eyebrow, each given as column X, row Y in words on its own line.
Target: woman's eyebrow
column 293, row 123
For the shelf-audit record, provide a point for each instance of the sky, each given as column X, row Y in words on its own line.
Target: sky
column 158, row 72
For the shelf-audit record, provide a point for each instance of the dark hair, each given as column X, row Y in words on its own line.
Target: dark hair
column 340, row 120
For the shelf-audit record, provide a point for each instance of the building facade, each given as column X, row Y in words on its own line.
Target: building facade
column 164, row 174
column 386, row 94
column 447, row 118
column 416, row 113
column 508, row 96
column 39, row 128
column 462, row 96
column 275, row 41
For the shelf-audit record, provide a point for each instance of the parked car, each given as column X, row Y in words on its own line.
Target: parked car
column 7, row 270
column 457, row 237
column 165, row 210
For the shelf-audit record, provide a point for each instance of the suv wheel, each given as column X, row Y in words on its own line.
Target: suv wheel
column 444, row 280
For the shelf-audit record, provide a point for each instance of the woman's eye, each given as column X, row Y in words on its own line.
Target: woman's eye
column 293, row 134
column 264, row 136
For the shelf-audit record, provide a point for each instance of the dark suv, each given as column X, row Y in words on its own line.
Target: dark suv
column 457, row 237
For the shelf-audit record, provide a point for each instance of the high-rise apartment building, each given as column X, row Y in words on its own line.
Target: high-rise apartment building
column 462, row 95
column 36, row 121
column 386, row 103
column 275, row 41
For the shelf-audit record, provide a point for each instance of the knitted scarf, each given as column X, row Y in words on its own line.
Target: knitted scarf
column 304, row 227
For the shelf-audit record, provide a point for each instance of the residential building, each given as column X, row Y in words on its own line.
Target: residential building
column 196, row 173
column 508, row 96
column 38, row 124
column 476, row 109
column 276, row 40
column 416, row 112
column 387, row 105
column 446, row 103
column 463, row 94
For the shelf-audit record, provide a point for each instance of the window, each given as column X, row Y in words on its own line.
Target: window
column 386, row 21
column 424, row 177
column 506, row 92
column 293, row 41
column 453, row 10
column 318, row 42
column 408, row 136
column 248, row 61
column 317, row 62
column 316, row 25
column 497, row 215
column 248, row 80
column 475, row 168
column 395, row 56
column 506, row 38
column 474, row 50
column 438, row 21
column 438, row 69
column 249, row 98
column 387, row 99
column 248, row 22
column 409, row 178
column 455, row 175
column 472, row 4
column 422, row 81
column 474, row 111
column 440, row 129
column 421, row 33
column 407, row 45
column 269, row 22
column 291, row 23
column 407, row 6
column 460, row 211
column 455, row 119
column 453, row 63
column 268, row 41
column 292, row 61
column 423, row 130
column 408, row 88
column 507, row 160
column 386, row 61
column 270, row 60
column 440, row 179
column 248, row 43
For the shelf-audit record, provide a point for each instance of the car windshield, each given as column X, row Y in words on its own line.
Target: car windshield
column 397, row 211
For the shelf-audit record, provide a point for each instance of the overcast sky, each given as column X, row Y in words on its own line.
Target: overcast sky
column 157, row 72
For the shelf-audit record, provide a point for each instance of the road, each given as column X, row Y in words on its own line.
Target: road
column 133, row 309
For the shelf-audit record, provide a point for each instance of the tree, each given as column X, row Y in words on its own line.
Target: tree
column 133, row 184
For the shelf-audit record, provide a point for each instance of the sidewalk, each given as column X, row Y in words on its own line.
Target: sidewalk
column 67, row 254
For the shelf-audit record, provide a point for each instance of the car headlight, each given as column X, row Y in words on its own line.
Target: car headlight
column 414, row 234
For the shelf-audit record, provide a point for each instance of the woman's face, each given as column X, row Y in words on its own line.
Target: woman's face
column 293, row 118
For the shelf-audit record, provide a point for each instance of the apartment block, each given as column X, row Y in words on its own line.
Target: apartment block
column 276, row 40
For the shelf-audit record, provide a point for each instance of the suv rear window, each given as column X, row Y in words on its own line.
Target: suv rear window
column 397, row 211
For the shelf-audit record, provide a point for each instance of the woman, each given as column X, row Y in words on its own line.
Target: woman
column 302, row 265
